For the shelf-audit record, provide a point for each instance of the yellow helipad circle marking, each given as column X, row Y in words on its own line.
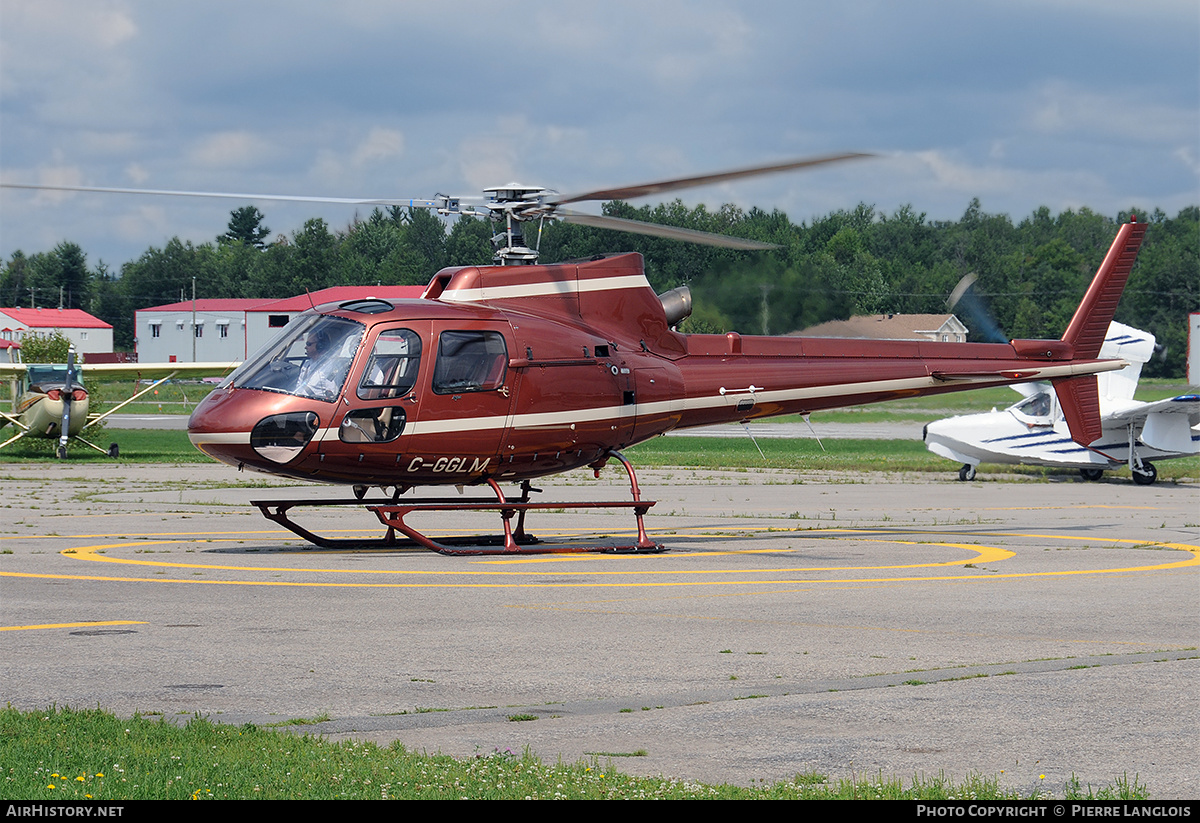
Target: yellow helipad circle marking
column 74, row 625
column 600, row 577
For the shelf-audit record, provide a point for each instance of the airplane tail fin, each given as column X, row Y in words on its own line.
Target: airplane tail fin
column 1086, row 331
column 1079, row 399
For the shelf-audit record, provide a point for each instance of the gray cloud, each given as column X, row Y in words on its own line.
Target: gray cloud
column 1058, row 103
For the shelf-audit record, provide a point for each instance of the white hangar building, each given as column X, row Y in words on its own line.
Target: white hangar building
column 227, row 329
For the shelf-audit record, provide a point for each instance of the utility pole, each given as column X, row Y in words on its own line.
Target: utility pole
column 766, row 310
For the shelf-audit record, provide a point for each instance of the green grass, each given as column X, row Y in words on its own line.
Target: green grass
column 738, row 453
column 64, row 755
column 137, row 446
column 786, row 453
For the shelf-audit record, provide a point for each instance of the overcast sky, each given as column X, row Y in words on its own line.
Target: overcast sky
column 1062, row 103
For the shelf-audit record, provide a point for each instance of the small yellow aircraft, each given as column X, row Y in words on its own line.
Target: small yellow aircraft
column 50, row 400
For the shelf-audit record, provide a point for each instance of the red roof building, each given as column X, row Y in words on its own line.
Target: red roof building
column 87, row 334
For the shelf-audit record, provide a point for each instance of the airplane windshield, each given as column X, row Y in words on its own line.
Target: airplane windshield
column 49, row 375
column 1036, row 406
column 310, row 359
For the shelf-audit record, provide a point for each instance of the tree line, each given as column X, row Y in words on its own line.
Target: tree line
column 1031, row 273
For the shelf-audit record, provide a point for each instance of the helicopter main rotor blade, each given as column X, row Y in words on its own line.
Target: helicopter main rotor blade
column 643, row 189
column 657, row 230
column 348, row 201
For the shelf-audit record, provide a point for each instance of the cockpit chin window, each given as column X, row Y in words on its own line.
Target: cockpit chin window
column 310, row 358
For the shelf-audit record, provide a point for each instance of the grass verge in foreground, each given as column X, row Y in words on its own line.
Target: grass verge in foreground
column 64, row 754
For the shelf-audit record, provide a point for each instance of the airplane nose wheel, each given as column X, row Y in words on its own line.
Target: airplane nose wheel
column 1145, row 475
column 967, row 472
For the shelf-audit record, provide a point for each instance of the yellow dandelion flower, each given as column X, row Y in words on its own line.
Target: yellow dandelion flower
column 99, row 774
column 51, row 786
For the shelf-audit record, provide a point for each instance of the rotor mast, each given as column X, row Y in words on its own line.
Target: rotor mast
column 515, row 204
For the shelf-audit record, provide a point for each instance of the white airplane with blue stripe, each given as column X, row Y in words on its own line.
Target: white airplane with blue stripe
column 1034, row 432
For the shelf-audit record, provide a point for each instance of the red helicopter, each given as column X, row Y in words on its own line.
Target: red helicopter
column 506, row 373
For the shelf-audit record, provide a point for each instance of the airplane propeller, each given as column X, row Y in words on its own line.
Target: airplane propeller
column 515, row 204
column 970, row 302
column 68, row 395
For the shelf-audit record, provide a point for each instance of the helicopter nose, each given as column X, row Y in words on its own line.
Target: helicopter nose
column 251, row 428
column 216, row 427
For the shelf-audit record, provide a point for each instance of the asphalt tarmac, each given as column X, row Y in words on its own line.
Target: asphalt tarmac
column 1030, row 630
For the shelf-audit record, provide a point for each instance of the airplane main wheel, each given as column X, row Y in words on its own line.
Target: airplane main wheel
column 967, row 472
column 1147, row 475
column 114, row 450
column 360, row 492
column 61, row 452
column 1091, row 475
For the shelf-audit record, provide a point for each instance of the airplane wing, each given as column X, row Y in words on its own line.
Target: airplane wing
column 1167, row 425
column 135, row 371
column 1188, row 404
column 155, row 371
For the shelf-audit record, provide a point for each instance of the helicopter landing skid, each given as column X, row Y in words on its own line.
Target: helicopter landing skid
column 511, row 542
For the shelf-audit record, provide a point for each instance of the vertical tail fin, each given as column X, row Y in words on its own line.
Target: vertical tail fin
column 1085, row 333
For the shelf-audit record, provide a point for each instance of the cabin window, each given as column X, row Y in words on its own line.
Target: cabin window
column 470, row 361
column 392, row 369
column 372, row 425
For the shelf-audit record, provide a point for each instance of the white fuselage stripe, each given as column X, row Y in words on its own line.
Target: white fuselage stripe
column 668, row 407
column 551, row 289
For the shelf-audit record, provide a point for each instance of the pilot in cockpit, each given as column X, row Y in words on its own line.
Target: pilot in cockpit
column 321, row 374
